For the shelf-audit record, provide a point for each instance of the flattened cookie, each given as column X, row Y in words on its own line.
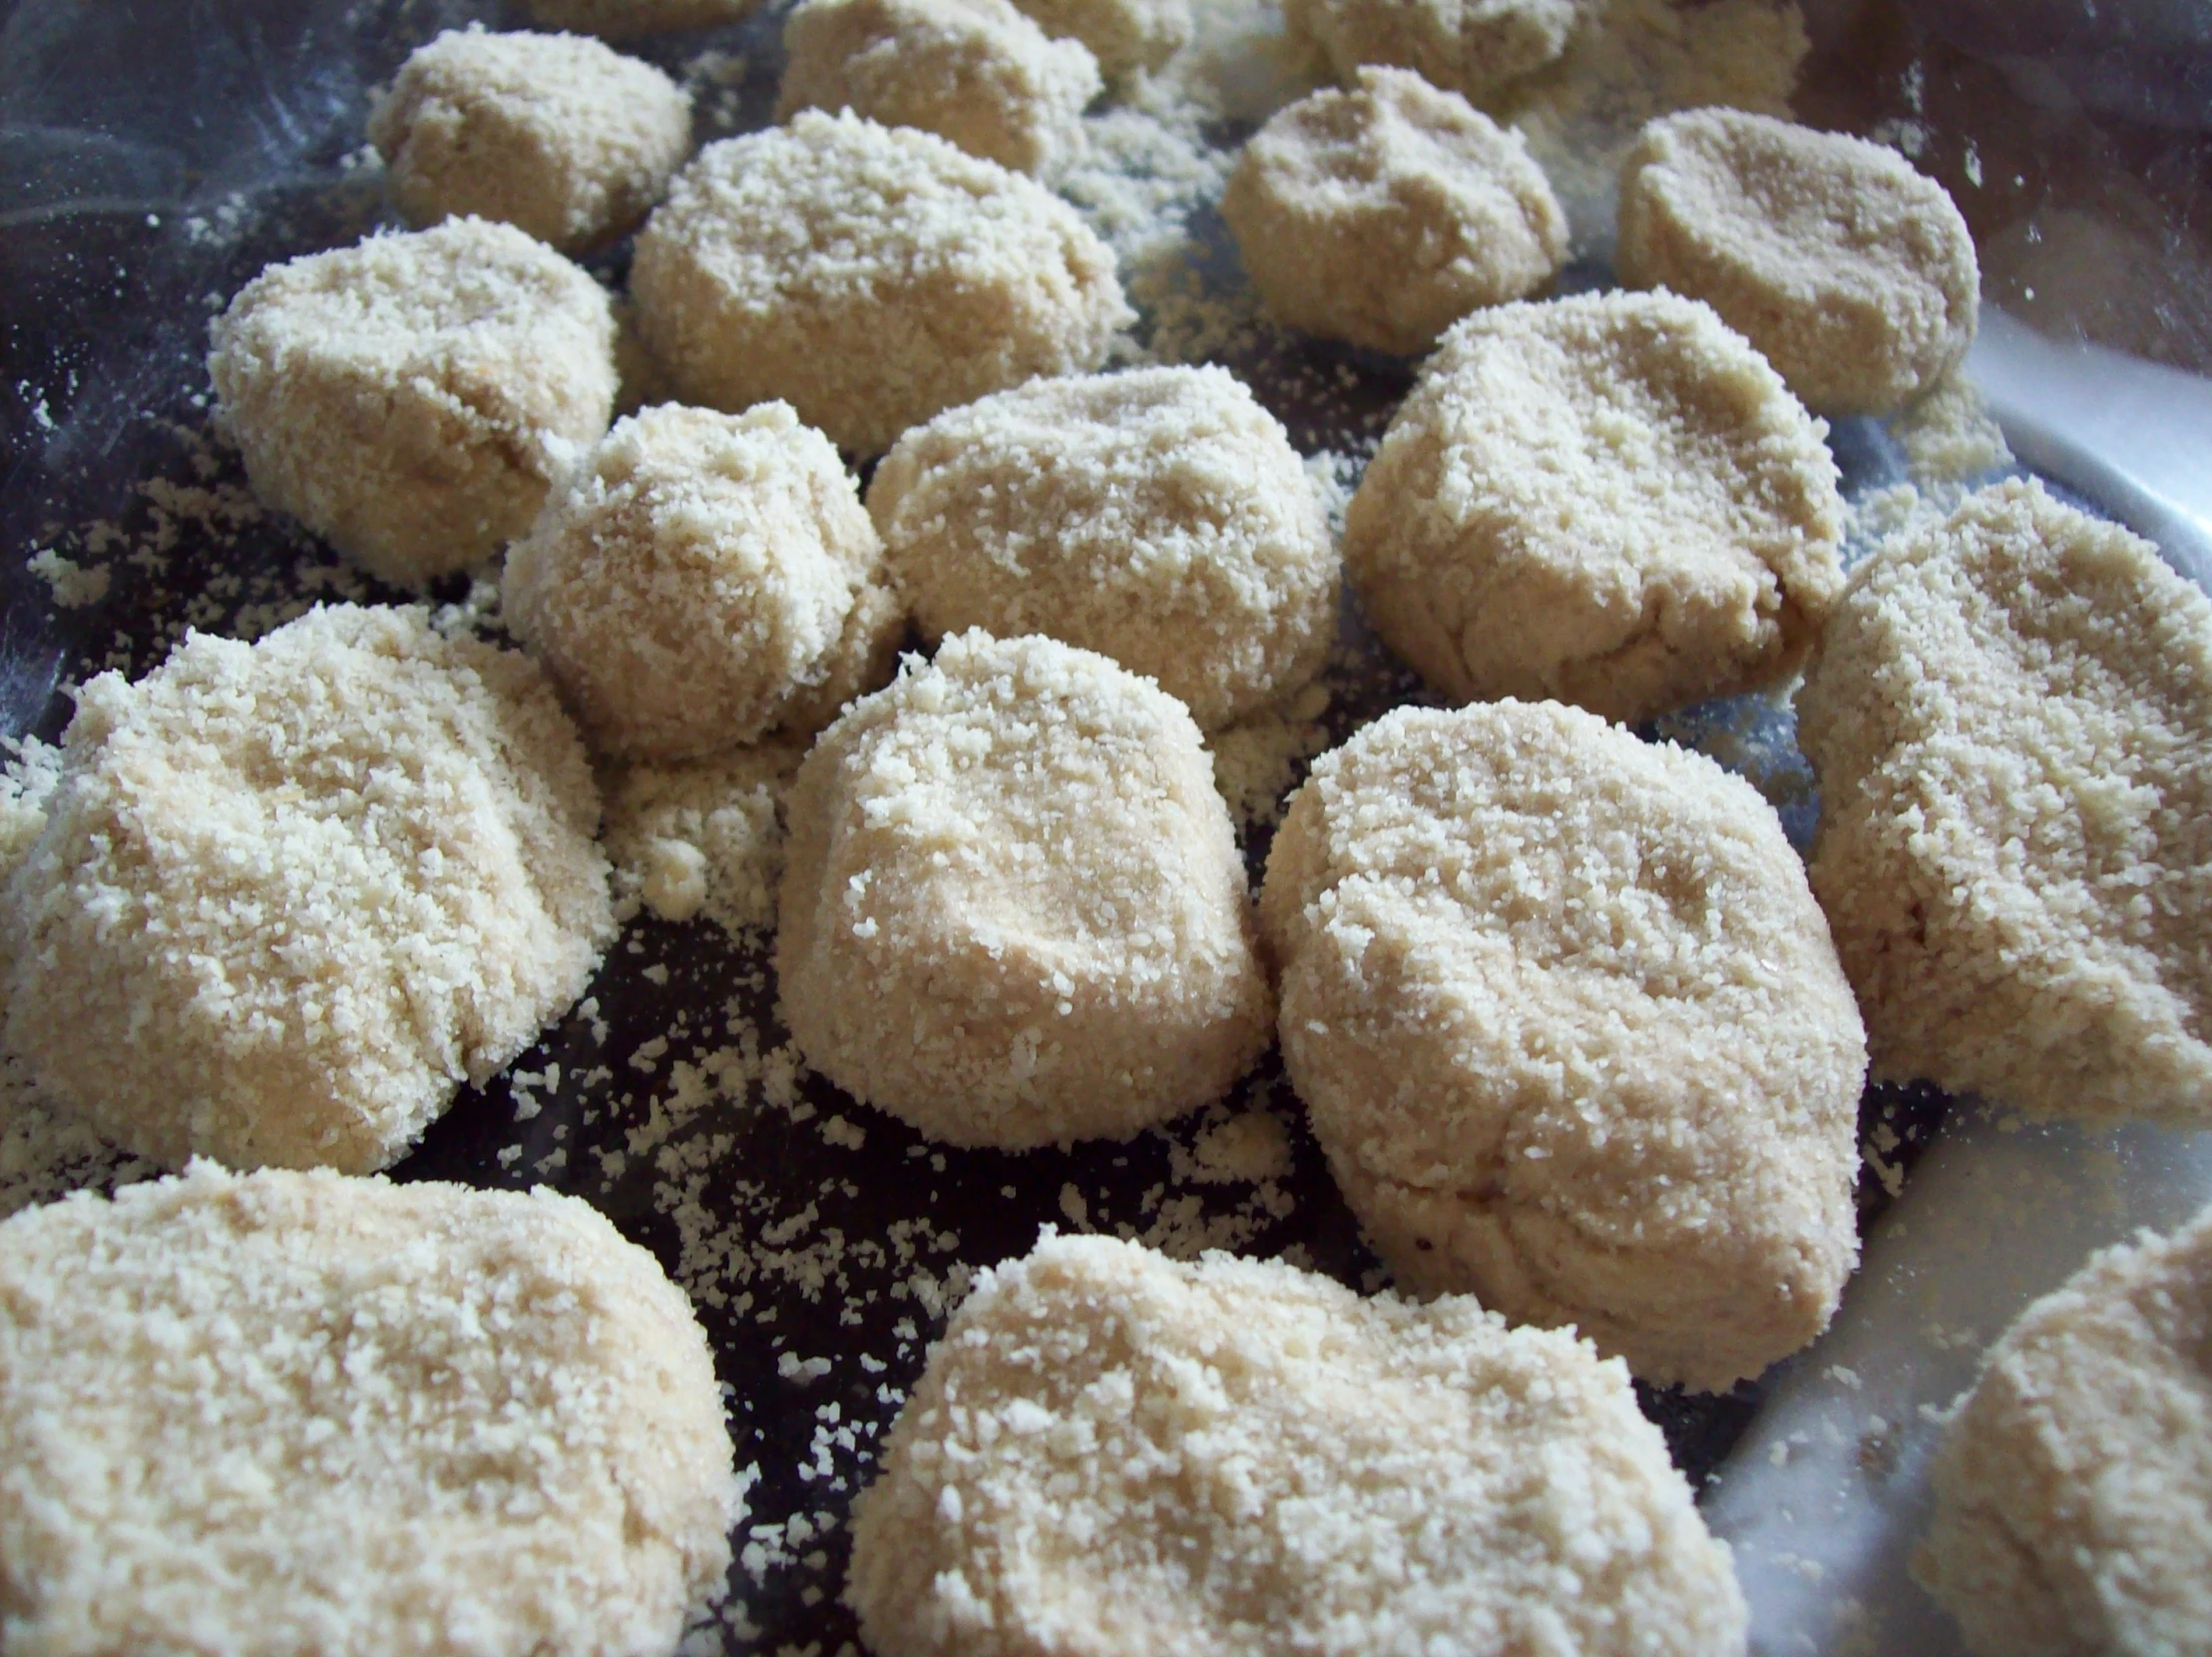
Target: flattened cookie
column 1569, row 1026
column 1474, row 47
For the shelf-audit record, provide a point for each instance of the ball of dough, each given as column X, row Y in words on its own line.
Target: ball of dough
column 553, row 133
column 1854, row 275
column 289, row 895
column 867, row 274
column 1020, row 851
column 699, row 580
column 1610, row 501
column 283, row 1413
column 1115, row 1453
column 1572, row 1032
column 2011, row 722
column 1383, row 214
column 2073, row 1495
column 1126, row 36
column 1158, row 517
column 626, row 19
column 976, row 72
column 1472, row 47
column 412, row 398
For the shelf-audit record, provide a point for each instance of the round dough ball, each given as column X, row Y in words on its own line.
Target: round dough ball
column 1018, row 850
column 1123, row 35
column 976, row 72
column 693, row 587
column 553, row 133
column 626, row 19
column 412, row 398
column 1383, row 214
column 1853, row 274
column 1610, row 501
column 289, row 895
column 1472, row 47
column 2073, row 1495
column 1572, row 1032
column 1158, row 517
column 1118, row 1454
column 284, row 1413
column 2011, row 722
column 869, row 275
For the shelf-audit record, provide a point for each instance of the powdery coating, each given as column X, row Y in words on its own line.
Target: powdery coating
column 1123, row 35
column 976, row 72
column 1112, row 1452
column 2073, row 1495
column 1158, row 517
column 1383, row 214
column 704, row 838
column 412, row 397
column 1472, row 47
column 1854, row 275
column 286, row 1413
column 553, row 133
column 869, row 275
column 1018, row 850
column 702, row 580
column 1610, row 501
column 1570, row 1029
column 2011, row 722
column 624, row 19
column 290, row 895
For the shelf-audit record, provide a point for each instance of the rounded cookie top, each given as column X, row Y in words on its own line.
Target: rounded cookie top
column 1160, row 516
column 2011, row 722
column 1570, row 1029
column 2073, row 1495
column 1383, row 215
column 412, row 398
column 1117, row 1452
column 1019, row 850
column 1853, row 274
column 282, row 1412
column 1609, row 500
column 691, row 587
column 289, row 895
column 1123, row 35
column 1473, row 47
column 868, row 275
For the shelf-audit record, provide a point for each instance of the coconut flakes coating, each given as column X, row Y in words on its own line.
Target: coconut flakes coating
column 1570, row 1029
column 1853, row 274
column 553, row 133
column 1020, row 852
column 1383, row 215
column 868, row 275
column 412, row 398
column 1472, row 47
column 282, row 1413
column 976, row 72
column 1609, row 500
column 2011, row 721
column 1111, row 1452
column 704, row 580
column 1158, row 517
column 290, row 895
column 2074, row 1493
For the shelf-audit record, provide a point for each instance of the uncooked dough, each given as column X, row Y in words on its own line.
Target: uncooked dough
column 1609, row 500
column 290, row 895
column 2073, row 1495
column 1115, row 1453
column 976, row 72
column 1472, row 47
column 1126, row 36
column 412, row 398
column 696, row 583
column 553, row 133
column 1383, row 215
column 1160, row 516
column 1572, row 1032
column 1853, row 274
column 868, row 275
column 283, row 1413
column 2011, row 722
column 1018, row 851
